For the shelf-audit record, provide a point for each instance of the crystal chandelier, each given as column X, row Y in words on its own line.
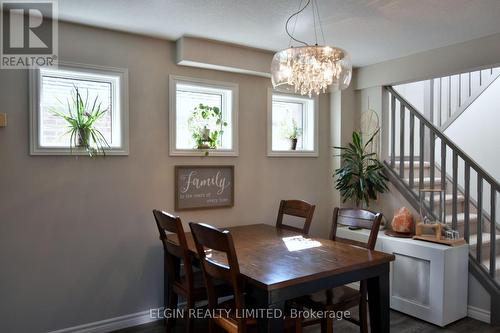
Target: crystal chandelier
column 310, row 68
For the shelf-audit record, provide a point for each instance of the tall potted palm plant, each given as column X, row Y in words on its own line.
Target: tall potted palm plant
column 360, row 177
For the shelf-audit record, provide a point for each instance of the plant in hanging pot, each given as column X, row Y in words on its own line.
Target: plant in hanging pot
column 293, row 134
column 81, row 118
column 206, row 126
column 361, row 177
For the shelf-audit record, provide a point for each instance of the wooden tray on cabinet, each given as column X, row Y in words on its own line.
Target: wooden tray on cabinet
column 433, row 239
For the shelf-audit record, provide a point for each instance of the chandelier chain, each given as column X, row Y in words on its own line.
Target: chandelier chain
column 314, row 23
column 288, row 21
column 320, row 24
column 295, row 24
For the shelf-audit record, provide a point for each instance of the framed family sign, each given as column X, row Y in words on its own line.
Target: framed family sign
column 204, row 186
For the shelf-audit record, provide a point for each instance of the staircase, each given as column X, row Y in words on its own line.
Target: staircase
column 422, row 157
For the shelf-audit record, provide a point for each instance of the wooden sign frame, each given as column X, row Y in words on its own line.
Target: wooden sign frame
column 178, row 168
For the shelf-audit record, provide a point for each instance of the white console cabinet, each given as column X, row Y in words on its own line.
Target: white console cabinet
column 428, row 281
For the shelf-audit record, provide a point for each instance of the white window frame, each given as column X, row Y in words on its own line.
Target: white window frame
column 291, row 153
column 123, row 112
column 233, row 87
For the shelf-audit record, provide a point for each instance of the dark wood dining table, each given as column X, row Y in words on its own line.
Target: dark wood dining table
column 275, row 270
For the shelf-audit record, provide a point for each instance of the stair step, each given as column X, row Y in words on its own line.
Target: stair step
column 427, row 181
column 485, row 245
column 486, row 263
column 485, row 239
column 449, row 198
column 461, row 218
column 416, row 164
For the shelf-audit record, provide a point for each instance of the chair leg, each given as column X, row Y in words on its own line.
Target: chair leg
column 298, row 325
column 172, row 305
column 363, row 316
column 189, row 320
column 324, row 326
column 329, row 325
column 211, row 326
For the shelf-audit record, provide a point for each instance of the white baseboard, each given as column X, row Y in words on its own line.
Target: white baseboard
column 112, row 324
column 478, row 314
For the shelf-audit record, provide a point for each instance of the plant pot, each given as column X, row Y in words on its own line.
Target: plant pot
column 83, row 138
column 203, row 146
column 293, row 144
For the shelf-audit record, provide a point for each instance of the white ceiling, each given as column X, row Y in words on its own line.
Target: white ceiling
column 370, row 30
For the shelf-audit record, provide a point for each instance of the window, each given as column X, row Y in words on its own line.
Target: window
column 203, row 117
column 292, row 125
column 52, row 89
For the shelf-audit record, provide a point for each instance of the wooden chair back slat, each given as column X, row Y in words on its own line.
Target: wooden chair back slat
column 297, row 208
column 169, row 223
column 207, row 239
column 357, row 218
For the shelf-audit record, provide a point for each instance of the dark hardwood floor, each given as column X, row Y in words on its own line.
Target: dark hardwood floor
column 400, row 323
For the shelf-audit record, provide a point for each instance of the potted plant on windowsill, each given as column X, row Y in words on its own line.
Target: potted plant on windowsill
column 206, row 126
column 360, row 177
column 294, row 132
column 81, row 118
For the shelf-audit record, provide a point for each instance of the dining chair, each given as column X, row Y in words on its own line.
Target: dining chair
column 189, row 285
column 297, row 208
column 344, row 298
column 224, row 266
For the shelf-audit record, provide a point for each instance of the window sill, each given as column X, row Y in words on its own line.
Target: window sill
column 292, row 153
column 75, row 152
column 203, row 153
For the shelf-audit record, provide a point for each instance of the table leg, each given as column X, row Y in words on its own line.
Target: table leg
column 274, row 322
column 378, row 301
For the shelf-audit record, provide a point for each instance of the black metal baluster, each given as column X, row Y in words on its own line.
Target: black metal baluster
column 421, row 148
column 402, row 141
column 459, row 90
column 479, row 243
column 449, row 97
column 493, row 228
column 443, row 180
column 433, row 165
column 440, row 102
column 455, row 191
column 412, row 148
column 470, row 84
column 393, row 131
column 466, row 202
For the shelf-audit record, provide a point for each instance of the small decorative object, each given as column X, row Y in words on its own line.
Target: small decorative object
column 438, row 230
column 438, row 234
column 81, row 117
column 310, row 69
column 402, row 221
column 206, row 126
column 204, row 186
column 361, row 177
column 294, row 133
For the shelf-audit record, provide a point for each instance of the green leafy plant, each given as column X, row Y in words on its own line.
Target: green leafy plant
column 361, row 176
column 206, row 126
column 81, row 118
column 294, row 131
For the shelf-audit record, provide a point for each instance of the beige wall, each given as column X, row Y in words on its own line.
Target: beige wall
column 78, row 242
column 471, row 55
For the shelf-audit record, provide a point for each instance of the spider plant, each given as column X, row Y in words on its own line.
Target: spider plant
column 81, row 119
column 361, row 176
